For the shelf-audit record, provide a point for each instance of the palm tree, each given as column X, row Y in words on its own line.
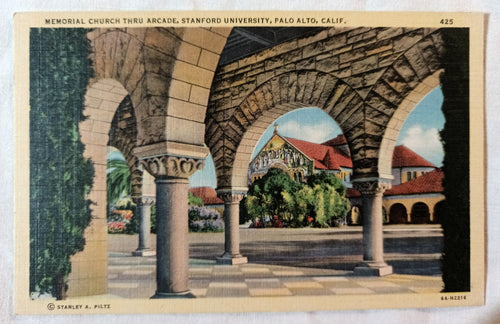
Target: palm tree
column 119, row 183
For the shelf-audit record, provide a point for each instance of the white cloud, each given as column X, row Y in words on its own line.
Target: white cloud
column 425, row 142
column 317, row 133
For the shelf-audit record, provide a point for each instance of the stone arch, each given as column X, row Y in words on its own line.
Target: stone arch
column 398, row 214
column 420, row 213
column 233, row 137
column 122, row 136
column 102, row 99
column 400, row 89
column 166, row 71
column 438, row 211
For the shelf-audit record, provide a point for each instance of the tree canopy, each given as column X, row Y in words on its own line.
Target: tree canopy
column 118, row 180
column 277, row 199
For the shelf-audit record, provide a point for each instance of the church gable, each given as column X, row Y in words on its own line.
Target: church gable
column 279, row 153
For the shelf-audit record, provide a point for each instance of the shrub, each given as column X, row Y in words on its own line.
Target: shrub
column 203, row 219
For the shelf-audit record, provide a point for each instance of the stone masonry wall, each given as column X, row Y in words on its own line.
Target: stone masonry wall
column 123, row 136
column 357, row 75
column 167, row 73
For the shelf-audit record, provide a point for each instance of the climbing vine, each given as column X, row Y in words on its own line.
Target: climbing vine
column 60, row 177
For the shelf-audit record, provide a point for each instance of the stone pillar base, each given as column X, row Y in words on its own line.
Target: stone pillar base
column 231, row 260
column 186, row 294
column 144, row 252
column 373, row 269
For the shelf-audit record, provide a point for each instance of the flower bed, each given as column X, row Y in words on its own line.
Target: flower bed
column 203, row 219
column 116, row 227
column 118, row 221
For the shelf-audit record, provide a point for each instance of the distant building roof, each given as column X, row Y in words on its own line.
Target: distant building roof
column 404, row 157
column 430, row 182
column 207, row 195
column 325, row 157
column 401, row 157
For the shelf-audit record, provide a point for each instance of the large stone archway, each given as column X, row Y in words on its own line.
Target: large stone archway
column 101, row 102
column 272, row 99
column 157, row 80
column 382, row 66
column 367, row 79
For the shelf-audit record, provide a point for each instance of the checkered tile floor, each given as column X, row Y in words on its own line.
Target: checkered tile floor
column 134, row 277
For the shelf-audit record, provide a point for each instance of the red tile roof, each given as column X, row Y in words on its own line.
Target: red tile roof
column 404, row 157
column 431, row 182
column 325, row 157
column 207, row 195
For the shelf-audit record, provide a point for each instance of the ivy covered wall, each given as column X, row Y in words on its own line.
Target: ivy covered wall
column 60, row 177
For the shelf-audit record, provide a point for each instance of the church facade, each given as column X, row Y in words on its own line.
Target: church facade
column 416, row 196
column 300, row 159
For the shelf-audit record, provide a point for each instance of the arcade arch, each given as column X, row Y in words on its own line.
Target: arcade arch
column 101, row 102
column 438, row 212
column 398, row 214
column 110, row 121
column 182, row 100
column 420, row 213
column 370, row 102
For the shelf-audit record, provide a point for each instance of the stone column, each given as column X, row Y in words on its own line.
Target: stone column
column 373, row 243
column 172, row 247
column 231, row 254
column 144, row 209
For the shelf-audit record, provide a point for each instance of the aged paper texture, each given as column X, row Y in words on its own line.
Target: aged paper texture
column 389, row 110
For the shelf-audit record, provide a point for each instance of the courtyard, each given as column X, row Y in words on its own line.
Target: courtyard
column 288, row 262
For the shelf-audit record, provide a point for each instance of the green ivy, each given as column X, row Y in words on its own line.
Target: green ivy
column 60, row 177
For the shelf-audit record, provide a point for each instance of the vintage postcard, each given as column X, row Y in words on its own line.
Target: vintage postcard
column 191, row 162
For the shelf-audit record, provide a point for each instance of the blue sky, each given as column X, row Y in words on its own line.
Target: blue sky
column 420, row 133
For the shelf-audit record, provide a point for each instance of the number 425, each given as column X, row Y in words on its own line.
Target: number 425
column 447, row 21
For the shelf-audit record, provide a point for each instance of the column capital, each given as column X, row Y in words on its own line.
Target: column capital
column 371, row 186
column 231, row 196
column 172, row 166
column 144, row 200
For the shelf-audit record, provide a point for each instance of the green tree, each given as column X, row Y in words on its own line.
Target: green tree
column 331, row 205
column 258, row 206
column 265, row 195
column 60, row 177
column 118, row 180
column 300, row 204
column 322, row 178
column 194, row 201
column 336, row 206
column 323, row 199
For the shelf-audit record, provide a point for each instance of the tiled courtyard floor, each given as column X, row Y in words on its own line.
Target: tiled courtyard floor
column 270, row 273
column 129, row 278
